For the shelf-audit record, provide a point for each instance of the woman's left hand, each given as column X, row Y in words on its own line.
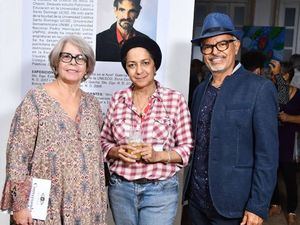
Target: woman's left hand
column 148, row 154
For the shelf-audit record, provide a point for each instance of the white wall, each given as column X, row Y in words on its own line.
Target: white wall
column 177, row 63
column 10, row 86
column 263, row 13
column 179, row 46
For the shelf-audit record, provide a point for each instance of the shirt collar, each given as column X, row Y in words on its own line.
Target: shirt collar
column 127, row 97
column 238, row 65
column 120, row 38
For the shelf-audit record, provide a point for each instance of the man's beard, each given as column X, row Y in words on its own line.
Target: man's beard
column 126, row 24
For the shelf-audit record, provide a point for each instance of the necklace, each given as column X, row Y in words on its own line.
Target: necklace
column 140, row 102
column 141, row 99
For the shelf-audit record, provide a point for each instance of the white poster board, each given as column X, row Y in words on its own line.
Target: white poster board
column 45, row 22
column 172, row 33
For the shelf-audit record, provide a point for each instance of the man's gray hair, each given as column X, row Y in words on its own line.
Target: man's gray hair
column 137, row 3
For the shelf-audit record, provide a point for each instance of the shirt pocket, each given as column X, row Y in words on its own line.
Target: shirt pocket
column 121, row 130
column 240, row 119
column 163, row 129
column 238, row 115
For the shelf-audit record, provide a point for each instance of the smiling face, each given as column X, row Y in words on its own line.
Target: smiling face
column 221, row 62
column 71, row 72
column 126, row 13
column 140, row 67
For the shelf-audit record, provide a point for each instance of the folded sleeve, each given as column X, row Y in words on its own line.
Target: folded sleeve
column 20, row 149
column 183, row 132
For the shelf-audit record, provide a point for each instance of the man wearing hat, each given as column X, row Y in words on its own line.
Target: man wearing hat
column 232, row 170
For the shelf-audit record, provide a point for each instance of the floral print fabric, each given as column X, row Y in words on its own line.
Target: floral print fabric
column 46, row 143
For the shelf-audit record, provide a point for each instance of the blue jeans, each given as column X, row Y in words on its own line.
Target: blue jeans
column 199, row 216
column 143, row 204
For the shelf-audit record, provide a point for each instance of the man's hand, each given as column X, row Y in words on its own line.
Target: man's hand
column 251, row 219
column 22, row 217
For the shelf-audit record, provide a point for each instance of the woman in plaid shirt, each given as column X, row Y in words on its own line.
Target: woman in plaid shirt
column 146, row 140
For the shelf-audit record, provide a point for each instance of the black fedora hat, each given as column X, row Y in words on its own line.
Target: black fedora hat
column 215, row 24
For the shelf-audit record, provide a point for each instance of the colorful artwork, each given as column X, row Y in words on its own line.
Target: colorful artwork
column 269, row 40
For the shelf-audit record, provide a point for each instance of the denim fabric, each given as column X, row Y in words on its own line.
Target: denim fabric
column 143, row 204
column 201, row 216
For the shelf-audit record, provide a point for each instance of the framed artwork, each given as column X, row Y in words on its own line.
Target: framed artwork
column 268, row 40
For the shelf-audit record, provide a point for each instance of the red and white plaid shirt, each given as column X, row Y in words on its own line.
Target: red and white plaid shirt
column 166, row 125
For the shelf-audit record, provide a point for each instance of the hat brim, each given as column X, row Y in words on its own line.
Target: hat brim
column 237, row 33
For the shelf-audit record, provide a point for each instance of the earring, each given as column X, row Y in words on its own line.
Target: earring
column 85, row 77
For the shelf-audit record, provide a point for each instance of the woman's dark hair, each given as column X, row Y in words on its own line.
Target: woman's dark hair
column 295, row 60
column 287, row 67
column 253, row 59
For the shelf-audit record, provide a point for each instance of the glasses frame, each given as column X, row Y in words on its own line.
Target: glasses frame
column 211, row 47
column 76, row 57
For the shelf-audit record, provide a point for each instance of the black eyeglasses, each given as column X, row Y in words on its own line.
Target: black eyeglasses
column 207, row 49
column 68, row 57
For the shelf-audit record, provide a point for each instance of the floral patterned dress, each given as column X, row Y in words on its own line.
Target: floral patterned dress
column 46, row 143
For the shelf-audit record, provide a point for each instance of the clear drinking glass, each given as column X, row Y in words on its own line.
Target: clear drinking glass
column 135, row 140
